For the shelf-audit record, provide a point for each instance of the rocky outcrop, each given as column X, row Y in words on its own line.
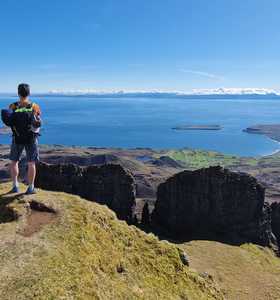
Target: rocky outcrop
column 84, row 160
column 275, row 220
column 214, row 203
column 108, row 184
column 146, row 218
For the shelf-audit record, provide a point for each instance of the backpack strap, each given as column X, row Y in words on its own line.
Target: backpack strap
column 28, row 108
column 14, row 106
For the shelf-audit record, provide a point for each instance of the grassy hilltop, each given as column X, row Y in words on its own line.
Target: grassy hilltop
column 83, row 252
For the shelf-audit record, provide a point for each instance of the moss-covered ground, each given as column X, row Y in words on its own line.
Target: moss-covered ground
column 86, row 253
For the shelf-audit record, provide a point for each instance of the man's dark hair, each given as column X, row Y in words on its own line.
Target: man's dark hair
column 23, row 90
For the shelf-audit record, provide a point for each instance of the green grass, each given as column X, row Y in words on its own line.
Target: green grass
column 89, row 254
column 195, row 159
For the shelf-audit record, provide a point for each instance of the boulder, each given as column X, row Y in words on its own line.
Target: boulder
column 213, row 203
column 107, row 184
column 184, row 257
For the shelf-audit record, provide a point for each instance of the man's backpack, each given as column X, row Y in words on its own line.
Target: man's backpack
column 6, row 116
column 22, row 118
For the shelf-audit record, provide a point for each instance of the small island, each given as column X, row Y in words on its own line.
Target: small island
column 198, row 127
column 270, row 130
column 5, row 130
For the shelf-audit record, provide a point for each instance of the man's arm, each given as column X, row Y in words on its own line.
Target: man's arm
column 37, row 110
column 37, row 114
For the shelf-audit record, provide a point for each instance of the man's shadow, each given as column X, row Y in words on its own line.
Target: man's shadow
column 7, row 213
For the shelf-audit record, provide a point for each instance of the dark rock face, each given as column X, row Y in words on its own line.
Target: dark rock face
column 146, row 218
column 101, row 159
column 213, row 203
column 275, row 220
column 108, row 184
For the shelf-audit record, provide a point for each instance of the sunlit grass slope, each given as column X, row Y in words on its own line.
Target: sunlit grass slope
column 248, row 272
column 86, row 253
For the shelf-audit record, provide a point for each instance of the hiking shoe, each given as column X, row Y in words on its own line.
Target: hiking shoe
column 30, row 191
column 14, row 190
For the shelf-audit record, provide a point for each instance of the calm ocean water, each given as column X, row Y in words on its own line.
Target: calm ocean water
column 147, row 122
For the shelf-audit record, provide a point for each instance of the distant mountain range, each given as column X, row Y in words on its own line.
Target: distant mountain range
column 198, row 93
column 221, row 93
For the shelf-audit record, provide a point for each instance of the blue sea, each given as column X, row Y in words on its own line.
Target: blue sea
column 148, row 122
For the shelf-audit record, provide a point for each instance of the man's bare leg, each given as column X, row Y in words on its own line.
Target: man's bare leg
column 14, row 174
column 31, row 174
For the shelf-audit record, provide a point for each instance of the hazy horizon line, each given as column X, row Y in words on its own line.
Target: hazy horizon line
column 193, row 92
column 261, row 92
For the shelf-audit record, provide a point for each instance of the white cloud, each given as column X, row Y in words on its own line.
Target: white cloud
column 203, row 74
column 219, row 91
column 235, row 91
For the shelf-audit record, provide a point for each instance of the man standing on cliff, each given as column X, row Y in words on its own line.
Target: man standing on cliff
column 25, row 124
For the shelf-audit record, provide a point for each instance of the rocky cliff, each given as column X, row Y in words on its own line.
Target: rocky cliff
column 108, row 184
column 275, row 220
column 214, row 203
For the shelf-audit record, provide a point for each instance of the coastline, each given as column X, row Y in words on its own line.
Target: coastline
column 271, row 131
column 125, row 130
column 151, row 167
column 5, row 130
column 148, row 149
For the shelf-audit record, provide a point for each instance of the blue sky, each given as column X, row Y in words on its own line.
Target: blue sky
column 139, row 44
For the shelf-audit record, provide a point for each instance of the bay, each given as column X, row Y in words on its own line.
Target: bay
column 148, row 123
